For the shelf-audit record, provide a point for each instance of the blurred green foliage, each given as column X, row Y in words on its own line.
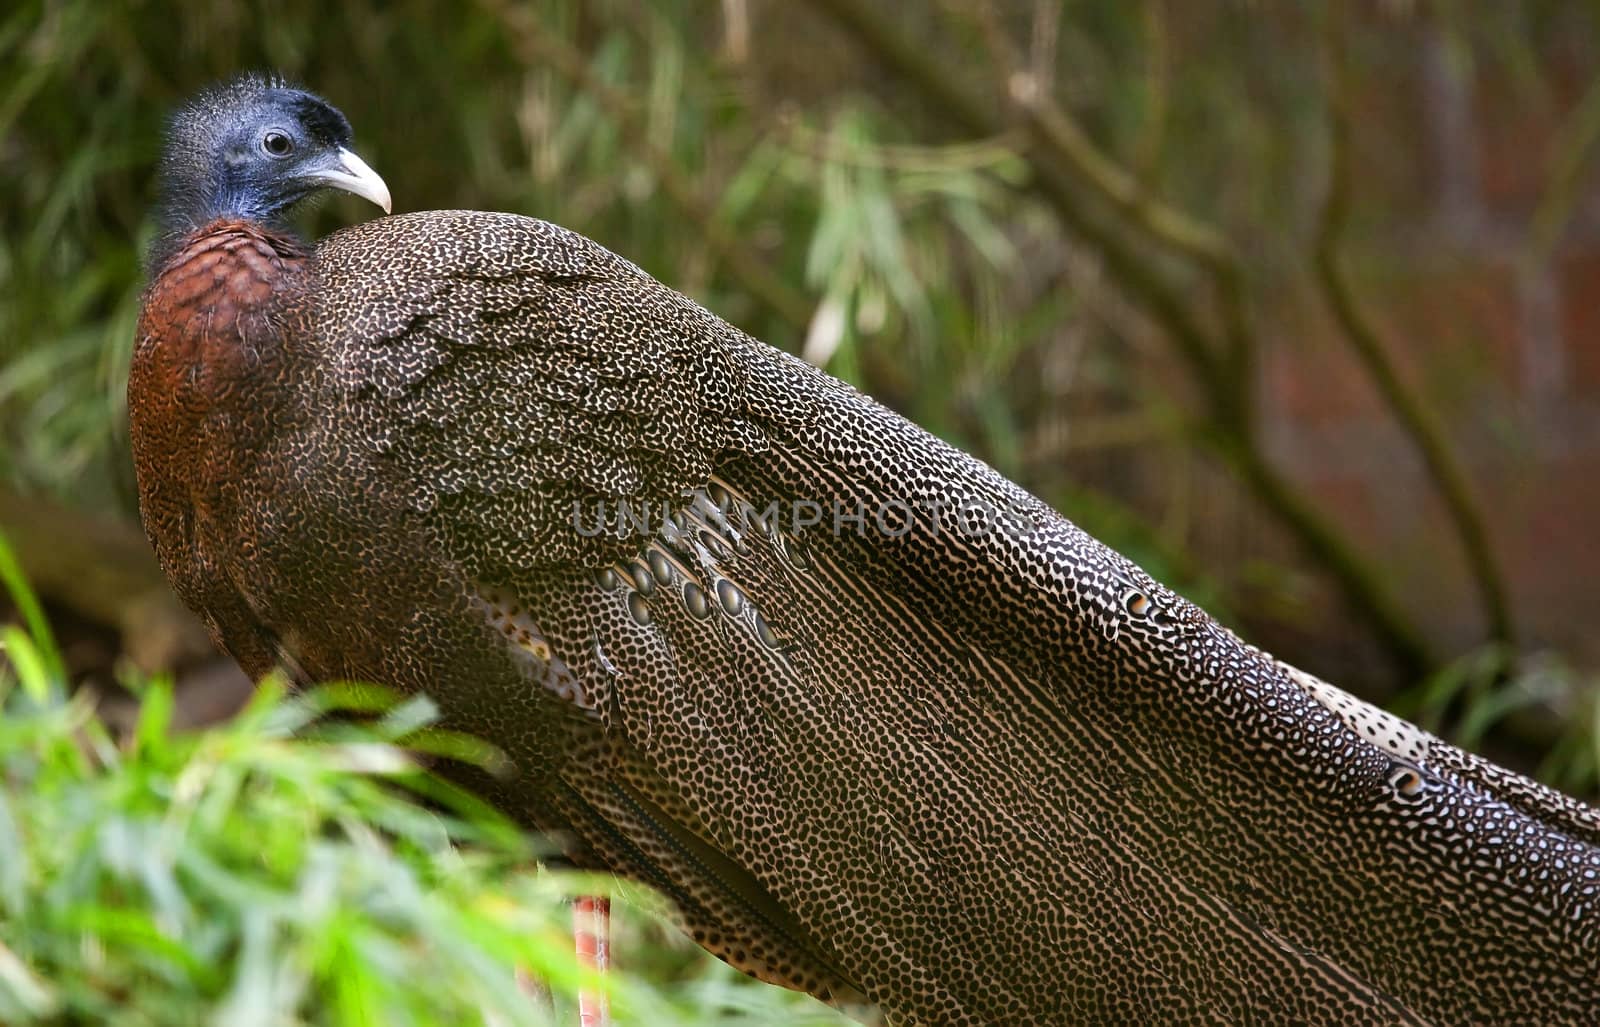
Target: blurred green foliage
column 283, row 870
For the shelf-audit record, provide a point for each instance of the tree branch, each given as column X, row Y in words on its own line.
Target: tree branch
column 1374, row 352
column 1221, row 362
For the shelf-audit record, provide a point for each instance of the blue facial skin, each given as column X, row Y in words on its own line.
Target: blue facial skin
column 272, row 161
column 253, row 149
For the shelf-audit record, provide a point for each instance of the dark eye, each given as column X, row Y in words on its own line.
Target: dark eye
column 277, row 144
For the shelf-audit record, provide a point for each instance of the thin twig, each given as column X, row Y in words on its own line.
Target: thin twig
column 941, row 158
column 1153, row 132
column 1045, row 38
column 1576, row 145
column 1370, row 346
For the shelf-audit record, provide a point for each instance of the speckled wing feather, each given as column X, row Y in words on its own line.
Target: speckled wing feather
column 937, row 749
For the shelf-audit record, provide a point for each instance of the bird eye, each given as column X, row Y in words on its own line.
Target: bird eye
column 277, row 144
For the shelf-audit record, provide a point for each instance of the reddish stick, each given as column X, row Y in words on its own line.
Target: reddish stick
column 591, row 930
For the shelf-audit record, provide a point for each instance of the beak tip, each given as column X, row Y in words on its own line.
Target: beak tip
column 355, row 176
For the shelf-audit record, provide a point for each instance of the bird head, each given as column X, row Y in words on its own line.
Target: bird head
column 253, row 148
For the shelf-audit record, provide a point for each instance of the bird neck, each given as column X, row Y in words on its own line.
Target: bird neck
column 191, row 205
column 265, row 249
column 210, row 313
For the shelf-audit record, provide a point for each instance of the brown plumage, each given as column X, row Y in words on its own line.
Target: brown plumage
column 884, row 726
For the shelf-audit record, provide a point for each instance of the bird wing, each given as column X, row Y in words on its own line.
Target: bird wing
column 885, row 724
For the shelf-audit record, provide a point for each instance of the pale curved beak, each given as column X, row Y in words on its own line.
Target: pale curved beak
column 352, row 174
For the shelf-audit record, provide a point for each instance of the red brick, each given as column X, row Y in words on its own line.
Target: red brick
column 1455, row 330
column 1316, row 385
column 1451, row 332
column 1580, row 321
column 1519, row 122
column 1543, row 517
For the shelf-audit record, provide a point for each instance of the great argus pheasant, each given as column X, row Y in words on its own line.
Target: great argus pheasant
column 881, row 724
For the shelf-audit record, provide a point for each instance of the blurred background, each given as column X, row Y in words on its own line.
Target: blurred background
column 1298, row 305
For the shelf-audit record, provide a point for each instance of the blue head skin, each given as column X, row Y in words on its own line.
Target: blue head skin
column 253, row 148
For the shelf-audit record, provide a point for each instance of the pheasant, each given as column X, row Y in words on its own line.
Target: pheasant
column 883, row 726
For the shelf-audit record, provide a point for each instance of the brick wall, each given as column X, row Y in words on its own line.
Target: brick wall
column 1504, row 345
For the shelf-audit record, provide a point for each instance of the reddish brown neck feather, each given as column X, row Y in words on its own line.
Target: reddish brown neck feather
column 209, row 347
column 208, row 322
